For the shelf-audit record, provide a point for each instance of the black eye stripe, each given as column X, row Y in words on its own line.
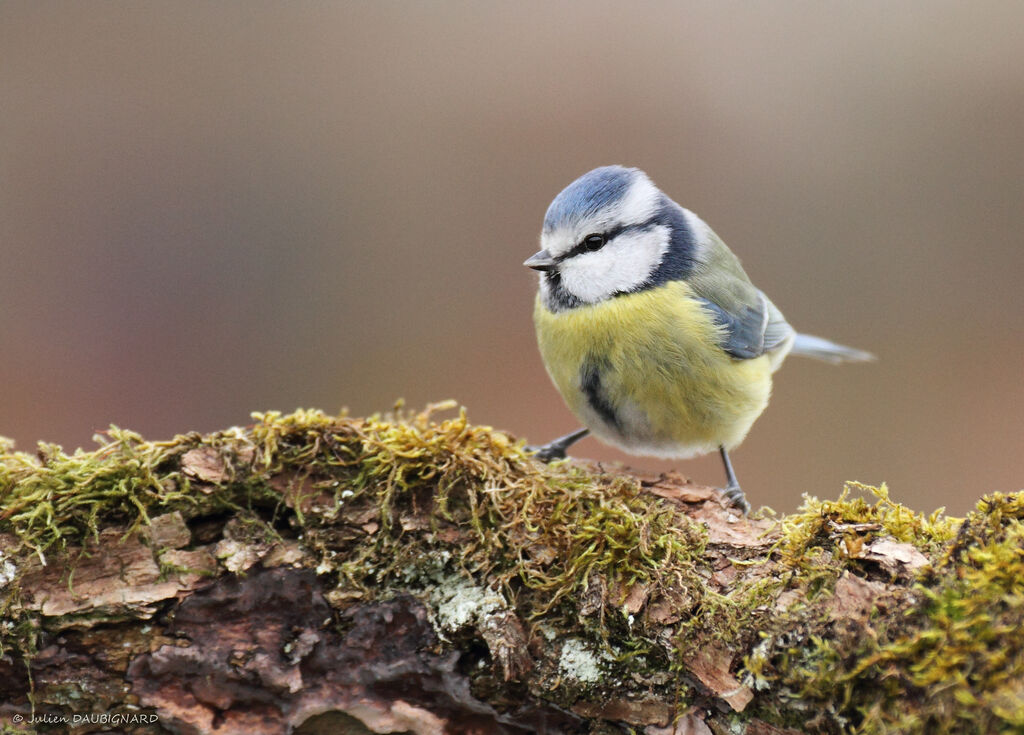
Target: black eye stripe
column 608, row 235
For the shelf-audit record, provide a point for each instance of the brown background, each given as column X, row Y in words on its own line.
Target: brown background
column 213, row 208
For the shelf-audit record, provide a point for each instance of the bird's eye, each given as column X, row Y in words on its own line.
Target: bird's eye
column 594, row 242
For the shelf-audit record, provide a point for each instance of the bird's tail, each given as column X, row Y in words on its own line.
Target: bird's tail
column 822, row 349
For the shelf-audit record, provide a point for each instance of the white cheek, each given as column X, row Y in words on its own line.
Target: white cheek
column 621, row 265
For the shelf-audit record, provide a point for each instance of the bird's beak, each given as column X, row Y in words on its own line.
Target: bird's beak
column 541, row 261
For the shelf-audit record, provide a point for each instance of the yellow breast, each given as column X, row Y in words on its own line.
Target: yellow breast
column 645, row 372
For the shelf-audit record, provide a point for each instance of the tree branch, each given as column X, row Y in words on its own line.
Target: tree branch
column 413, row 575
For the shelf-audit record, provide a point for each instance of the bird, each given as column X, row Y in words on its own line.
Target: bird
column 649, row 327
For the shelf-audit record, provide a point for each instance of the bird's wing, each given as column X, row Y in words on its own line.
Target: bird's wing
column 751, row 324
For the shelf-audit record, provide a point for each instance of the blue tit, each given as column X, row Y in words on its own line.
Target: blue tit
column 650, row 328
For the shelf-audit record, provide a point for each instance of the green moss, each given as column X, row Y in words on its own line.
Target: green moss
column 949, row 655
column 965, row 650
column 542, row 534
column 51, row 499
column 818, row 523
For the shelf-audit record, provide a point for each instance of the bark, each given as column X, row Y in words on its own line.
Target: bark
column 412, row 606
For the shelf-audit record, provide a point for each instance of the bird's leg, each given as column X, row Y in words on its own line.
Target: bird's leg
column 556, row 449
column 733, row 491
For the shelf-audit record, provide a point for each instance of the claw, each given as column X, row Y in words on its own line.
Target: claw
column 734, row 494
column 548, row 452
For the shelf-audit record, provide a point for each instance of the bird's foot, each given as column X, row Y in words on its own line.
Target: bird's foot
column 734, row 494
column 556, row 449
column 549, row 452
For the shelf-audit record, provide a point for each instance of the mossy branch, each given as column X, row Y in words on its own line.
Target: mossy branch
column 415, row 574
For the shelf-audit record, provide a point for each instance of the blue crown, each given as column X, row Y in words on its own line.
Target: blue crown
column 588, row 195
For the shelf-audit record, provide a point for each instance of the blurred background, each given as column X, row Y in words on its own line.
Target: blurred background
column 208, row 209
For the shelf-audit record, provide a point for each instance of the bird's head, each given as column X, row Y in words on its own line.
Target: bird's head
column 610, row 232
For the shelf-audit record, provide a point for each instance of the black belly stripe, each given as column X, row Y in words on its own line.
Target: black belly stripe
column 590, row 381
